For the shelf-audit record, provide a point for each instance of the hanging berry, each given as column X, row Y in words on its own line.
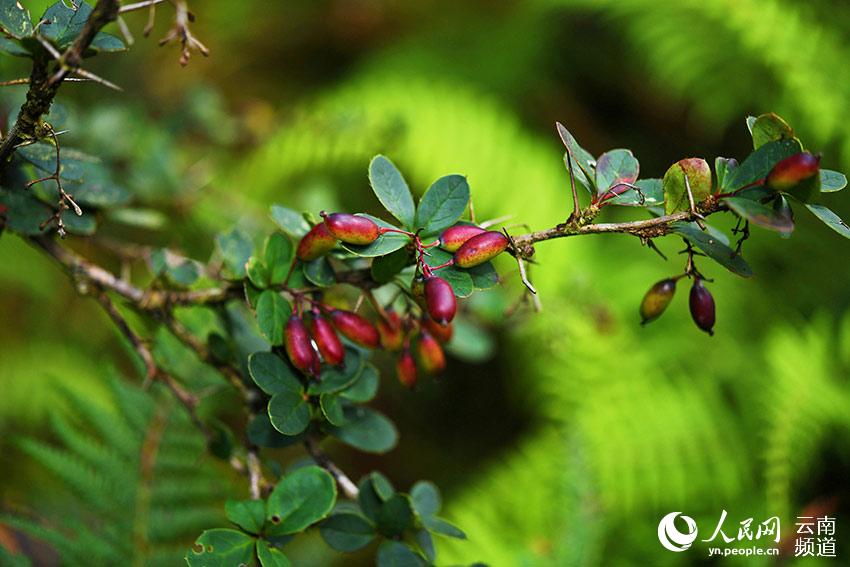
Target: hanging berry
column 390, row 331
column 406, row 369
column 442, row 333
column 352, row 229
column 298, row 346
column 480, row 249
column 656, row 300
column 702, row 307
column 440, row 299
column 430, row 353
column 355, row 328
column 793, row 170
column 330, row 347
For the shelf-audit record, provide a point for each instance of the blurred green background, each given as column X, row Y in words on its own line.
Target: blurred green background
column 581, row 429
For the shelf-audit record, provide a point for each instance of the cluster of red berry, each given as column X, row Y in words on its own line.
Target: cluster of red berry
column 309, row 338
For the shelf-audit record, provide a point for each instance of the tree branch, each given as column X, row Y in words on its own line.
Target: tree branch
column 311, row 443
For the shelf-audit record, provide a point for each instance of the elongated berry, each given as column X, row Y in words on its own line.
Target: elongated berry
column 702, row 307
column 455, row 236
column 430, row 353
column 480, row 248
column 390, row 331
column 315, row 244
column 405, row 368
column 442, row 333
column 440, row 299
column 417, row 289
column 352, row 229
column 793, row 170
column 330, row 347
column 355, row 328
column 298, row 345
column 656, row 300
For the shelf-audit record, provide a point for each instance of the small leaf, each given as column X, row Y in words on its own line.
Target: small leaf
column 582, row 161
column 396, row 554
column 651, row 194
column 368, row 499
column 347, row 532
column 261, row 433
column 367, row 430
column 830, row 219
column 221, row 548
column 426, row 544
column 386, row 243
column 179, row 270
column 425, row 497
column 831, row 181
column 290, row 221
column 277, row 255
column 442, row 204
column 335, row 378
column 15, row 19
column 675, row 192
column 247, row 514
column 257, row 272
column 761, row 215
column 484, row 276
column 332, row 408
column 272, row 374
column 235, row 250
column 441, row 526
column 769, row 128
column 722, row 167
column 459, row 279
column 392, row 190
column 271, row 556
column 272, row 313
column 759, row 163
column 385, row 267
column 107, row 43
column 383, row 487
column 289, row 412
column 319, row 272
column 615, row 167
column 43, row 156
column 24, row 213
column 300, row 499
column 395, row 516
column 714, row 248
column 365, row 387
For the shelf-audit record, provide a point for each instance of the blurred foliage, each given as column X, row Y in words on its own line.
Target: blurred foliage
column 586, row 427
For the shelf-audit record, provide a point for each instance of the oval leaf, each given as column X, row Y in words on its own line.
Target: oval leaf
column 581, row 160
column 675, row 191
column 714, row 249
column 392, row 190
column 367, row 430
column 830, row 219
column 302, row 498
column 247, row 514
column 761, row 215
column 831, row 181
column 221, row 548
column 289, row 412
column 347, row 532
column 615, row 167
column 769, row 128
column 759, row 163
column 272, row 374
column 272, row 313
column 426, row 498
column 442, row 204
column 271, row 556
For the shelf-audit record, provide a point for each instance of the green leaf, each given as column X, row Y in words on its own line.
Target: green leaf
column 831, row 181
column 272, row 374
column 443, row 527
column 247, row 514
column 615, row 167
column 43, row 156
column 582, row 161
column 332, row 408
column 289, row 412
column 64, row 24
column 759, row 163
column 675, row 191
column 395, row 516
column 484, row 276
column 426, row 544
column 714, row 249
column 396, row 554
column 15, row 19
column 442, row 204
column 367, row 430
column 365, row 387
column 368, row 499
column 13, row 47
column 290, row 221
column 769, row 128
column 392, row 190
column 257, row 272
column 386, row 243
column 761, row 215
column 319, row 272
column 459, row 279
column 272, row 313
column 75, row 224
column 651, row 189
column 178, row 269
column 278, row 254
column 221, row 548
column 722, row 167
column 24, row 212
column 235, row 248
column 347, row 532
column 425, row 497
column 271, row 556
column 107, row 43
column 383, row 487
column 302, row 498
column 830, row 219
column 385, row 267
column 334, row 378
column 261, row 433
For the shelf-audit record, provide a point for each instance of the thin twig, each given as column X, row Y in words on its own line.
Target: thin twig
column 323, row 460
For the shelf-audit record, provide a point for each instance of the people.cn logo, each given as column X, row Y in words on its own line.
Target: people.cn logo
column 670, row 536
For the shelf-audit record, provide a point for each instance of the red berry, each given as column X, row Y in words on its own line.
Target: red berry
column 430, row 353
column 440, row 299
column 327, row 340
column 656, row 300
column 405, row 368
column 480, row 248
column 792, row 171
column 417, row 289
column 453, row 237
column 355, row 328
column 352, row 229
column 442, row 333
column 298, row 346
column 702, row 307
column 315, row 243
column 390, row 331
